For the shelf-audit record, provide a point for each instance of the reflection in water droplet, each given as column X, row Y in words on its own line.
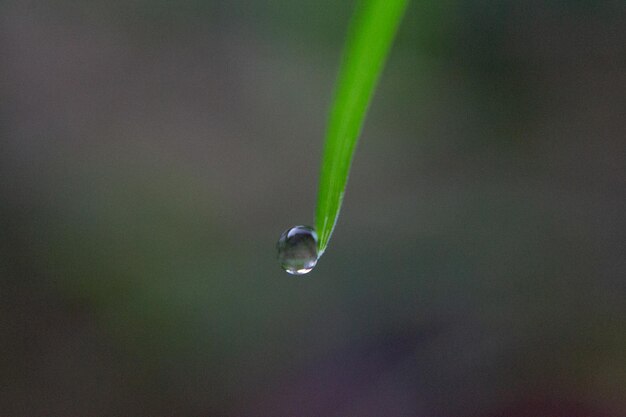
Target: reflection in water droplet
column 297, row 250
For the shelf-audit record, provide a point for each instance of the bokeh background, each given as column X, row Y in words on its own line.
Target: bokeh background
column 152, row 151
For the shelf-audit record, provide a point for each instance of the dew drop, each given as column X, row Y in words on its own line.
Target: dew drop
column 297, row 250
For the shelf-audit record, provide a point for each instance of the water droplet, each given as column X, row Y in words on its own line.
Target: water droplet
column 297, row 250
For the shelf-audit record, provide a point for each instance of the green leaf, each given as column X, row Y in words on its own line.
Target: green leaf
column 369, row 39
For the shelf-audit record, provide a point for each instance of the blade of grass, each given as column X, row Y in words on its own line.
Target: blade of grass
column 369, row 39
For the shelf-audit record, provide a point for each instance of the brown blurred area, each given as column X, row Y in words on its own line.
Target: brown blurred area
column 152, row 151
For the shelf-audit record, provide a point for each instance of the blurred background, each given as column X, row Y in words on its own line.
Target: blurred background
column 152, row 151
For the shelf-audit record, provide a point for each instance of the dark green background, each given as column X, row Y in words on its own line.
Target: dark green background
column 151, row 153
